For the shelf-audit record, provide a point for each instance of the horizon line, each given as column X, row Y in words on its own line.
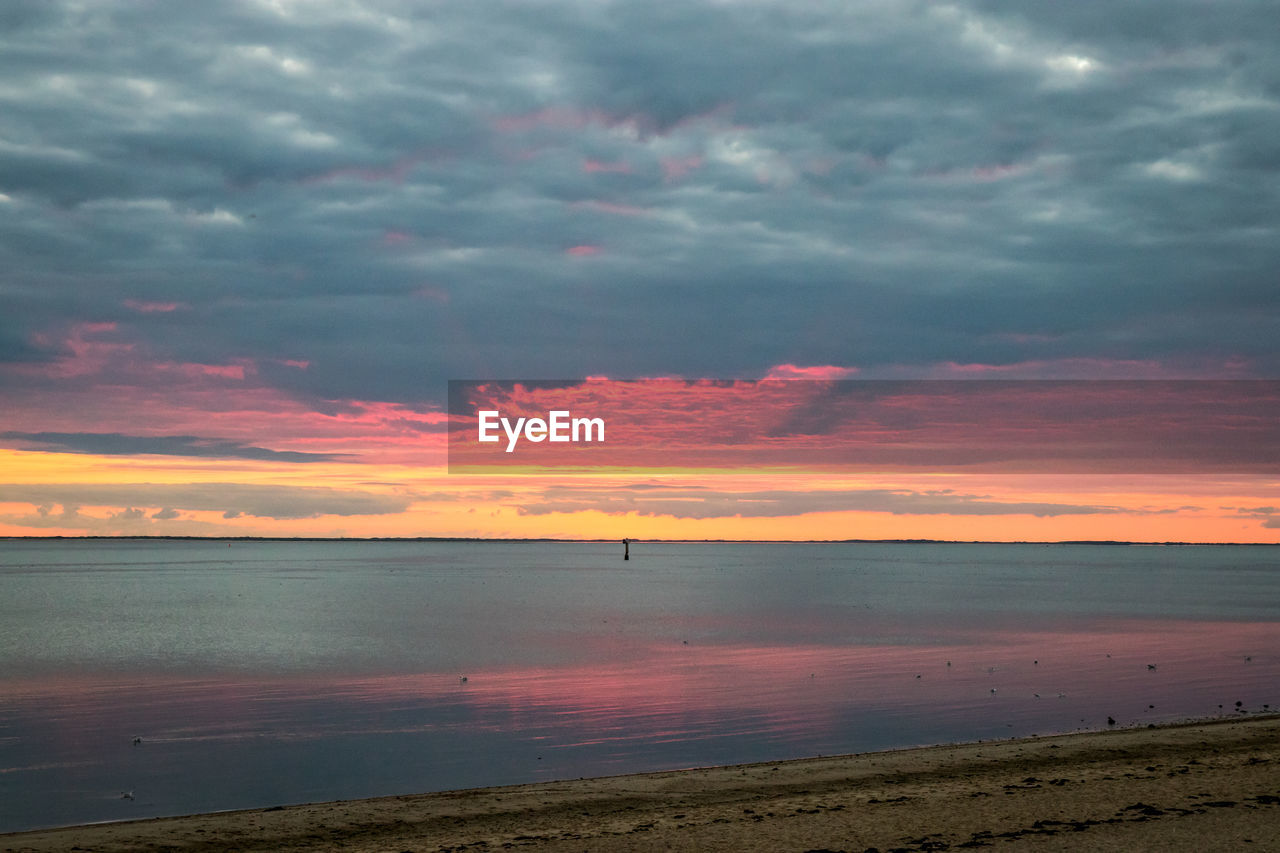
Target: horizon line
column 634, row 540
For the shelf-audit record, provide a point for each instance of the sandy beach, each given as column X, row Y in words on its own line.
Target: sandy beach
column 1194, row 787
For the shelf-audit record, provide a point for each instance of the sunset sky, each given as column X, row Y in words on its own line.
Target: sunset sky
column 245, row 246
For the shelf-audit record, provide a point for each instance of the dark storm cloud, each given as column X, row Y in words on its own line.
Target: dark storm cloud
column 402, row 193
column 164, row 445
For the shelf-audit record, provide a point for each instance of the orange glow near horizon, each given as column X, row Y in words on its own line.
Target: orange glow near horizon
column 1154, row 508
column 364, row 468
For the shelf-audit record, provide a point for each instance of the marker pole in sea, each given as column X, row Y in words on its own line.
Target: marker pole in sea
column 626, row 549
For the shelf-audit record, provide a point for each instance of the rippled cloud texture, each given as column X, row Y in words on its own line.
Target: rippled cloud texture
column 245, row 236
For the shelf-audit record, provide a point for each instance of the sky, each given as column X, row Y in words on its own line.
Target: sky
column 244, row 247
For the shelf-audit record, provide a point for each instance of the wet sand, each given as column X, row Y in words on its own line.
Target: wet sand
column 1193, row 787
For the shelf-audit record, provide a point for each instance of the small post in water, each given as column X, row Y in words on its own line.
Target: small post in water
column 626, row 549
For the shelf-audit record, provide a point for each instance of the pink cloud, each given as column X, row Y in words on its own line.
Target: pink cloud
column 818, row 371
column 583, row 251
column 94, row 350
column 209, row 400
column 83, row 352
column 152, row 307
column 193, row 369
column 395, row 238
column 1237, row 365
column 1002, row 427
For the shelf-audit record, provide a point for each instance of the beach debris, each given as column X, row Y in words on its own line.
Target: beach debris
column 1111, row 721
column 948, row 663
column 126, row 795
column 462, row 679
column 993, row 690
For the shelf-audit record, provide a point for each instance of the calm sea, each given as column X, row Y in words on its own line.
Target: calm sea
column 266, row 673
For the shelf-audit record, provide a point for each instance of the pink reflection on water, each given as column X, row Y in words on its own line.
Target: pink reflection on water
column 821, row 697
column 1060, row 679
column 661, row 706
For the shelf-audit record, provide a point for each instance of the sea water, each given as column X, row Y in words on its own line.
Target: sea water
column 155, row 677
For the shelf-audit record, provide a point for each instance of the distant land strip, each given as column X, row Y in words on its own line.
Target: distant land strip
column 643, row 541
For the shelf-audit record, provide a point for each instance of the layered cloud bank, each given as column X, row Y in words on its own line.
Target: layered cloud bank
column 244, row 239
